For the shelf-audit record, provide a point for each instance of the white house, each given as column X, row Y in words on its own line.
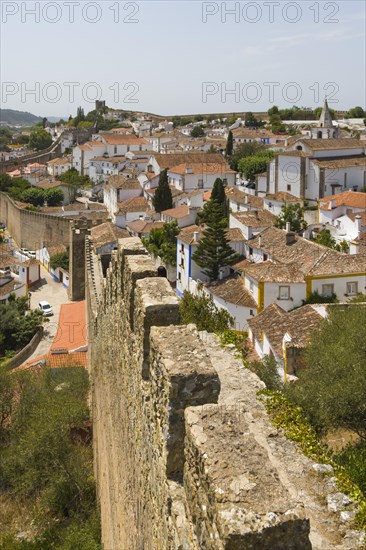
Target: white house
column 11, row 284
column 131, row 209
column 188, row 272
column 232, row 295
column 184, row 215
column 187, row 177
column 101, row 168
column 119, row 189
column 59, row 166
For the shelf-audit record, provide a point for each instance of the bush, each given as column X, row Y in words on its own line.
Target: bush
column 34, row 196
column 267, row 371
column 60, row 260
column 202, row 311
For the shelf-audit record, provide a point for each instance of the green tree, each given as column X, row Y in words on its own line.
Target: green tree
column 214, row 250
column 60, row 260
column 163, row 242
column 325, row 238
column 332, row 387
column 163, row 199
column 249, row 167
column 197, row 131
column 292, row 213
column 244, row 150
column 218, row 194
column 39, row 139
column 202, row 311
column 54, row 197
column 276, row 124
column 267, row 371
column 17, row 325
column 251, row 121
column 229, row 144
column 34, row 196
column 74, row 181
column 273, row 110
column 356, row 112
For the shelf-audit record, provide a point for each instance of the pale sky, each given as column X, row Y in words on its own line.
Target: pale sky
column 180, row 57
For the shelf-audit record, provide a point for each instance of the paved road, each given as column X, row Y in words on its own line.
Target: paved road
column 55, row 294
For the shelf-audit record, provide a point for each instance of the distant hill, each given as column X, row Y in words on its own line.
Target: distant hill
column 10, row 117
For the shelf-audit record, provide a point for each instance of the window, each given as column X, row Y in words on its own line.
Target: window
column 352, row 288
column 251, row 286
column 200, row 184
column 115, row 150
column 250, row 250
column 327, row 291
column 284, row 293
column 224, row 181
column 289, row 187
column 179, row 277
column 265, row 257
column 251, row 312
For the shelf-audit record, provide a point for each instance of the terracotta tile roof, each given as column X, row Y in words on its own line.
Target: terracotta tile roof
column 275, row 322
column 234, row 194
column 240, row 266
column 178, row 212
column 107, row 233
column 55, row 248
column 336, row 143
column 123, row 139
column 135, row 204
column 187, row 234
column 7, row 260
column 255, row 218
column 57, row 361
column 269, row 271
column 352, row 199
column 72, row 329
column 60, row 161
column 272, row 241
column 47, row 184
column 338, row 264
column 207, row 195
column 123, row 182
column 143, row 226
column 9, row 286
column 345, row 162
column 282, row 196
column 31, row 261
column 112, row 160
column 233, row 290
column 201, row 168
column 246, row 133
column 169, row 160
column 312, row 259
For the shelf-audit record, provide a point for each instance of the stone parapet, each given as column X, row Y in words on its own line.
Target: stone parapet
column 185, row 455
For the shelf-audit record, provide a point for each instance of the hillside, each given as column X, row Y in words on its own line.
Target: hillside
column 18, row 118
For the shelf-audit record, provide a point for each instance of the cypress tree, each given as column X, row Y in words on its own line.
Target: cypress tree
column 229, row 145
column 163, row 199
column 214, row 251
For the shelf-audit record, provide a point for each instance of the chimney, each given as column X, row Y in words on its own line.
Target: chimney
column 358, row 224
column 246, row 199
column 288, row 227
column 196, row 236
column 260, row 241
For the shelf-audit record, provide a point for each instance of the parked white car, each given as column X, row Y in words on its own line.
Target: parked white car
column 46, row 308
column 24, row 251
column 31, row 254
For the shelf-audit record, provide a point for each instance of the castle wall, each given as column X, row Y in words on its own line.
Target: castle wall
column 32, row 229
column 185, row 455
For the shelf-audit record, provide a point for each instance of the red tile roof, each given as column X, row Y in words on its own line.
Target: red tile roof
column 72, row 329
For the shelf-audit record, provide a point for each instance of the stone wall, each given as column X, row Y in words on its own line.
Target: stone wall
column 53, row 151
column 32, row 229
column 185, row 455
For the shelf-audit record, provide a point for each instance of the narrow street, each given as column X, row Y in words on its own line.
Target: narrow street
column 54, row 293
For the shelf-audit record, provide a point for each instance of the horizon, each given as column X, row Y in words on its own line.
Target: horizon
column 241, row 56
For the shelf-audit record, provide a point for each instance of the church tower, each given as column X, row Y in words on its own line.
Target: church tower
column 325, row 128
